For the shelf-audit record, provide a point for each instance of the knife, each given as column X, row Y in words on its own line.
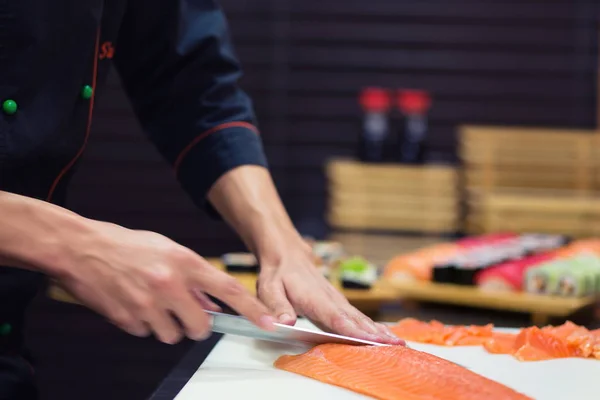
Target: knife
column 240, row 326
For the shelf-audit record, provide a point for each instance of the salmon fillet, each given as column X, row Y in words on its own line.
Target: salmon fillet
column 394, row 373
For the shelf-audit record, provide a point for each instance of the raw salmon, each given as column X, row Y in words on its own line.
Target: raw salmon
column 394, row 373
column 530, row 344
column 435, row 332
column 534, row 344
column 500, row 343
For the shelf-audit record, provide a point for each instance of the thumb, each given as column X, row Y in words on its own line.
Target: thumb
column 272, row 294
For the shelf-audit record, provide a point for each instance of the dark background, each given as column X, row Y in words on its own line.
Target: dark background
column 488, row 62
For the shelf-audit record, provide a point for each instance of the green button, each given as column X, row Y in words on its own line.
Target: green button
column 87, row 92
column 10, row 107
column 5, row 329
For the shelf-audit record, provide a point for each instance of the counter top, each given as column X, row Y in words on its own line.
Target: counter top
column 242, row 368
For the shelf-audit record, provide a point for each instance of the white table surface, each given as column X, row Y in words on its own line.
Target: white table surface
column 241, row 368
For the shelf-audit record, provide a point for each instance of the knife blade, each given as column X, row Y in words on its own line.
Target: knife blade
column 240, row 326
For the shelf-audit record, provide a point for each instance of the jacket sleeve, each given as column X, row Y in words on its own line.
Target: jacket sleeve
column 178, row 67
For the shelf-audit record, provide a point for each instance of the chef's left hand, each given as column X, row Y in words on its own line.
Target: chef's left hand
column 291, row 285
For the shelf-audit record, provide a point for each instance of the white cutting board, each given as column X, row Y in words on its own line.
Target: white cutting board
column 241, row 368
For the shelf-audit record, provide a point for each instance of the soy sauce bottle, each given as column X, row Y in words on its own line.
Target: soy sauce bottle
column 414, row 105
column 375, row 103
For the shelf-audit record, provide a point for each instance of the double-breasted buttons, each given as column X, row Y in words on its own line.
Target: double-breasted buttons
column 87, row 92
column 10, row 107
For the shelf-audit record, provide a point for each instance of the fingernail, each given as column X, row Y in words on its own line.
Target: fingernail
column 266, row 321
column 285, row 318
column 390, row 334
column 374, row 338
column 202, row 336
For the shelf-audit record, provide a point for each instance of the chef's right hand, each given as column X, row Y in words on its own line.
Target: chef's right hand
column 145, row 283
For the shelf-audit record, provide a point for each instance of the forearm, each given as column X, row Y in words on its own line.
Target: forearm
column 35, row 234
column 247, row 199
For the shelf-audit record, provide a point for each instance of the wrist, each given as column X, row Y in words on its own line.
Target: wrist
column 278, row 242
column 37, row 235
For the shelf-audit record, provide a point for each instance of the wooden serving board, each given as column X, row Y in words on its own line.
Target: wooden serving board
column 541, row 307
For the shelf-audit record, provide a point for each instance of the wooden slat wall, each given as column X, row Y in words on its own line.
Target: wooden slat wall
column 485, row 62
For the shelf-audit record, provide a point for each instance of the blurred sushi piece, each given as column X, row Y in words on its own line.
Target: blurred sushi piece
column 466, row 267
column 483, row 240
column 420, row 264
column 574, row 283
column 240, row 262
column 543, row 279
column 568, row 277
column 582, row 278
column 444, row 273
column 581, row 246
column 509, row 276
column 330, row 252
column 357, row 273
column 534, row 243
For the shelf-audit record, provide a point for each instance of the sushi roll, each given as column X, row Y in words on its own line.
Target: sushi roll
column 509, row 276
column 543, row 279
column 357, row 273
column 590, row 263
column 240, row 262
column 574, row 281
column 539, row 243
column 468, row 267
column 444, row 273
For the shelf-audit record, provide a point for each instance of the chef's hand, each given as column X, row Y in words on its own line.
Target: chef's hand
column 289, row 283
column 293, row 285
column 145, row 283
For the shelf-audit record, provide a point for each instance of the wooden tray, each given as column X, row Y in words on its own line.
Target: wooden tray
column 540, row 307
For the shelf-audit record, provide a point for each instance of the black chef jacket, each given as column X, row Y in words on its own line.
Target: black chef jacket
column 178, row 68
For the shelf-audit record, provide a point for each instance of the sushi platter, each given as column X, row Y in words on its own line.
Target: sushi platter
column 544, row 275
column 243, row 368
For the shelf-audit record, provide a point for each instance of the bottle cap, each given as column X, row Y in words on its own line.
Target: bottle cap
column 413, row 101
column 375, row 99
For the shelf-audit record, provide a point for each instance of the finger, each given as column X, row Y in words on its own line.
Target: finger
column 380, row 330
column 163, row 325
column 364, row 322
column 343, row 322
column 109, row 307
column 385, row 330
column 191, row 314
column 229, row 290
column 185, row 305
column 205, row 302
column 272, row 294
column 125, row 321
